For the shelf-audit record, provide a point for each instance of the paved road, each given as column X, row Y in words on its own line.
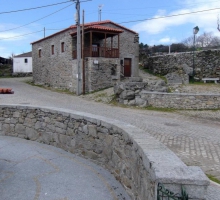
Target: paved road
column 196, row 141
column 30, row 170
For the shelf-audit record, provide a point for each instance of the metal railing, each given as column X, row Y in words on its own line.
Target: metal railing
column 165, row 194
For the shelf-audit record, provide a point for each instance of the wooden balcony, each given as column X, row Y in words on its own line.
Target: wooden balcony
column 104, row 52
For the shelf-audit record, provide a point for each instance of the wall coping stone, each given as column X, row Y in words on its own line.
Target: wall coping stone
column 160, row 162
column 181, row 94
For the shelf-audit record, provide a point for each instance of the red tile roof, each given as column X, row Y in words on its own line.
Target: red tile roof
column 92, row 25
column 101, row 28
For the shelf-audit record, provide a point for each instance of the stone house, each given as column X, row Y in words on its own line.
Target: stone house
column 22, row 63
column 111, row 51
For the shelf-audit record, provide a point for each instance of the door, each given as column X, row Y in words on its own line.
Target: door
column 127, row 67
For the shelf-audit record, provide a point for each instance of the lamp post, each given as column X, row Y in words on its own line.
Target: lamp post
column 195, row 31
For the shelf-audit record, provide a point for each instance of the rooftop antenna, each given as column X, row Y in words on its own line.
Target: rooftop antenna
column 100, row 12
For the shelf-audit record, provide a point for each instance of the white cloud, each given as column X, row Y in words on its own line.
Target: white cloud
column 10, row 43
column 167, row 40
column 205, row 20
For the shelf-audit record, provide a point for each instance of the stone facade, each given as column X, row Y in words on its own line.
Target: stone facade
column 60, row 69
column 143, row 94
column 102, row 75
column 135, row 158
column 207, row 64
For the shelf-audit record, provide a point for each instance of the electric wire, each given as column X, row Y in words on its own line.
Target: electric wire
column 38, row 19
column 26, row 9
column 21, row 35
column 42, row 17
column 169, row 16
column 155, row 18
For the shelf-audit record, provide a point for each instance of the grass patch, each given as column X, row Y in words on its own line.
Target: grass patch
column 212, row 178
column 150, row 72
column 97, row 90
column 5, row 71
column 101, row 95
column 59, row 90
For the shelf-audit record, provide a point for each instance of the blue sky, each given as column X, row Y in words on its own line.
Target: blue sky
column 125, row 12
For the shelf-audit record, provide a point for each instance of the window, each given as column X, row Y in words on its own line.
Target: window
column 25, row 60
column 52, row 49
column 62, row 47
column 39, row 53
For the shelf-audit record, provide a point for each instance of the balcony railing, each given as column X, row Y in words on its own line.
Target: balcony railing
column 105, row 52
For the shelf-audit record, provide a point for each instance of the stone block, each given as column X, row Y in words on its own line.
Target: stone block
column 16, row 114
column 20, row 129
column 31, row 133
column 127, row 95
column 92, row 130
column 135, row 79
column 60, row 125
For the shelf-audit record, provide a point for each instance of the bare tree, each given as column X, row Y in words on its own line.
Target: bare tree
column 205, row 40
column 188, row 41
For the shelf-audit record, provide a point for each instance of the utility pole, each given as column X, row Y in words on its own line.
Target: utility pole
column 79, row 74
column 44, row 32
column 83, row 61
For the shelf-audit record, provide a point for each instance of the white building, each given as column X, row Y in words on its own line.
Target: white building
column 22, row 63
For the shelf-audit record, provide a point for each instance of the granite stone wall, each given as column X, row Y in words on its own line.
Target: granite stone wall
column 207, row 63
column 142, row 94
column 102, row 75
column 181, row 100
column 135, row 158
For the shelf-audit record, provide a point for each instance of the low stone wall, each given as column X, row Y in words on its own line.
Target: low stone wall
column 22, row 74
column 206, row 63
column 181, row 100
column 141, row 94
column 135, row 158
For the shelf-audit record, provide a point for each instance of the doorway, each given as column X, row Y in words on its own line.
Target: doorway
column 127, row 67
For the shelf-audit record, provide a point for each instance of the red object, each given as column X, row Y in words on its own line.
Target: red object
column 6, row 91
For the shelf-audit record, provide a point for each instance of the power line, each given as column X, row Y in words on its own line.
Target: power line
column 168, row 16
column 26, row 9
column 160, row 7
column 38, row 19
column 20, row 35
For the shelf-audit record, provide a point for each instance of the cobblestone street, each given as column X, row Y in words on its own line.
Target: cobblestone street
column 192, row 135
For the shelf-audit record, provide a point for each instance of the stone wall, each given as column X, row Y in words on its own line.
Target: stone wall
column 101, row 75
column 181, row 100
column 136, row 159
column 22, row 74
column 141, row 94
column 207, row 63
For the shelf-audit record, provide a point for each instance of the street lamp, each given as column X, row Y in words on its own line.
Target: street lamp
column 195, row 31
